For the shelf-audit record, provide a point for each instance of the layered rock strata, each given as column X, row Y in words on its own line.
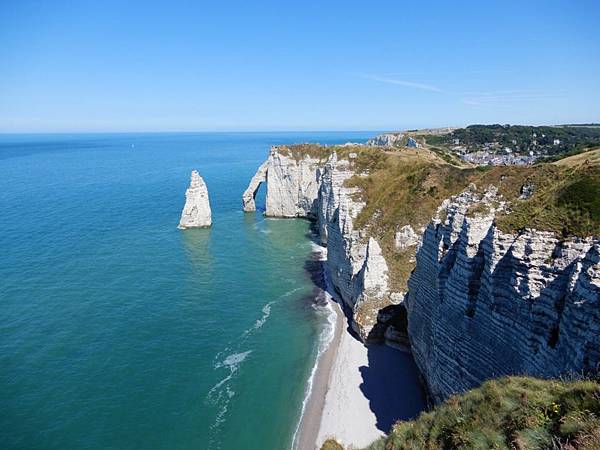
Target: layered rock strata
column 196, row 212
column 482, row 303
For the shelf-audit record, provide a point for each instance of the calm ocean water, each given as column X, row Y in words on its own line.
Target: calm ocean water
column 119, row 331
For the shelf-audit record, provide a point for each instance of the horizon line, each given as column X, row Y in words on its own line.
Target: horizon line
column 306, row 130
column 299, row 130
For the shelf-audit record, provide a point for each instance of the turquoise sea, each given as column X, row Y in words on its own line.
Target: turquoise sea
column 119, row 331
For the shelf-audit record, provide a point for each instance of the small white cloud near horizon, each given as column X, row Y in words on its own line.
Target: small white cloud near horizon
column 405, row 83
column 506, row 97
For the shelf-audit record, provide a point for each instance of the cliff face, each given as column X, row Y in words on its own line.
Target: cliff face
column 196, row 212
column 481, row 303
column 355, row 265
column 292, row 185
column 387, row 139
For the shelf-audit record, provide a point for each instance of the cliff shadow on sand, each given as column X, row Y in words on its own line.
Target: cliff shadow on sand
column 390, row 370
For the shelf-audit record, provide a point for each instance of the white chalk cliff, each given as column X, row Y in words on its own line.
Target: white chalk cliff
column 483, row 303
column 196, row 212
column 292, row 185
column 480, row 304
column 387, row 139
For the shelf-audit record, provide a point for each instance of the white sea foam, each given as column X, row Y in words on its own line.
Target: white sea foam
column 266, row 310
column 260, row 227
column 233, row 361
column 221, row 393
column 266, row 313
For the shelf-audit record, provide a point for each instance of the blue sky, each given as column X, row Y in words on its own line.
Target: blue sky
column 303, row 65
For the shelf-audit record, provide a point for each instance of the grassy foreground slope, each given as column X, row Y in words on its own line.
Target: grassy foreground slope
column 507, row 413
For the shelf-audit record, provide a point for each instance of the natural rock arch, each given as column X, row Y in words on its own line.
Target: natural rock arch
column 249, row 195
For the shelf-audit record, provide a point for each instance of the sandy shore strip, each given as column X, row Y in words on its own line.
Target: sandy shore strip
column 311, row 419
column 346, row 415
column 358, row 392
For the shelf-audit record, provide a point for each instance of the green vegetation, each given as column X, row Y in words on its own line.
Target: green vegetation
column 507, row 413
column 363, row 158
column 575, row 151
column 566, row 201
column 570, row 137
column 301, row 151
column 447, row 156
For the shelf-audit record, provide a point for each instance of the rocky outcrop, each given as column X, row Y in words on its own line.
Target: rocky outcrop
column 411, row 142
column 406, row 238
column 196, row 212
column 483, row 303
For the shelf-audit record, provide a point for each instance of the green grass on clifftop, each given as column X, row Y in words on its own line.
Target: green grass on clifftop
column 364, row 157
column 508, row 413
column 566, row 200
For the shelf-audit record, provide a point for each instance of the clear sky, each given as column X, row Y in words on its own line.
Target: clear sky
column 289, row 65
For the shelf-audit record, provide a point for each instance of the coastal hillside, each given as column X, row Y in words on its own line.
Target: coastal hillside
column 478, row 271
column 498, row 144
column 507, row 413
